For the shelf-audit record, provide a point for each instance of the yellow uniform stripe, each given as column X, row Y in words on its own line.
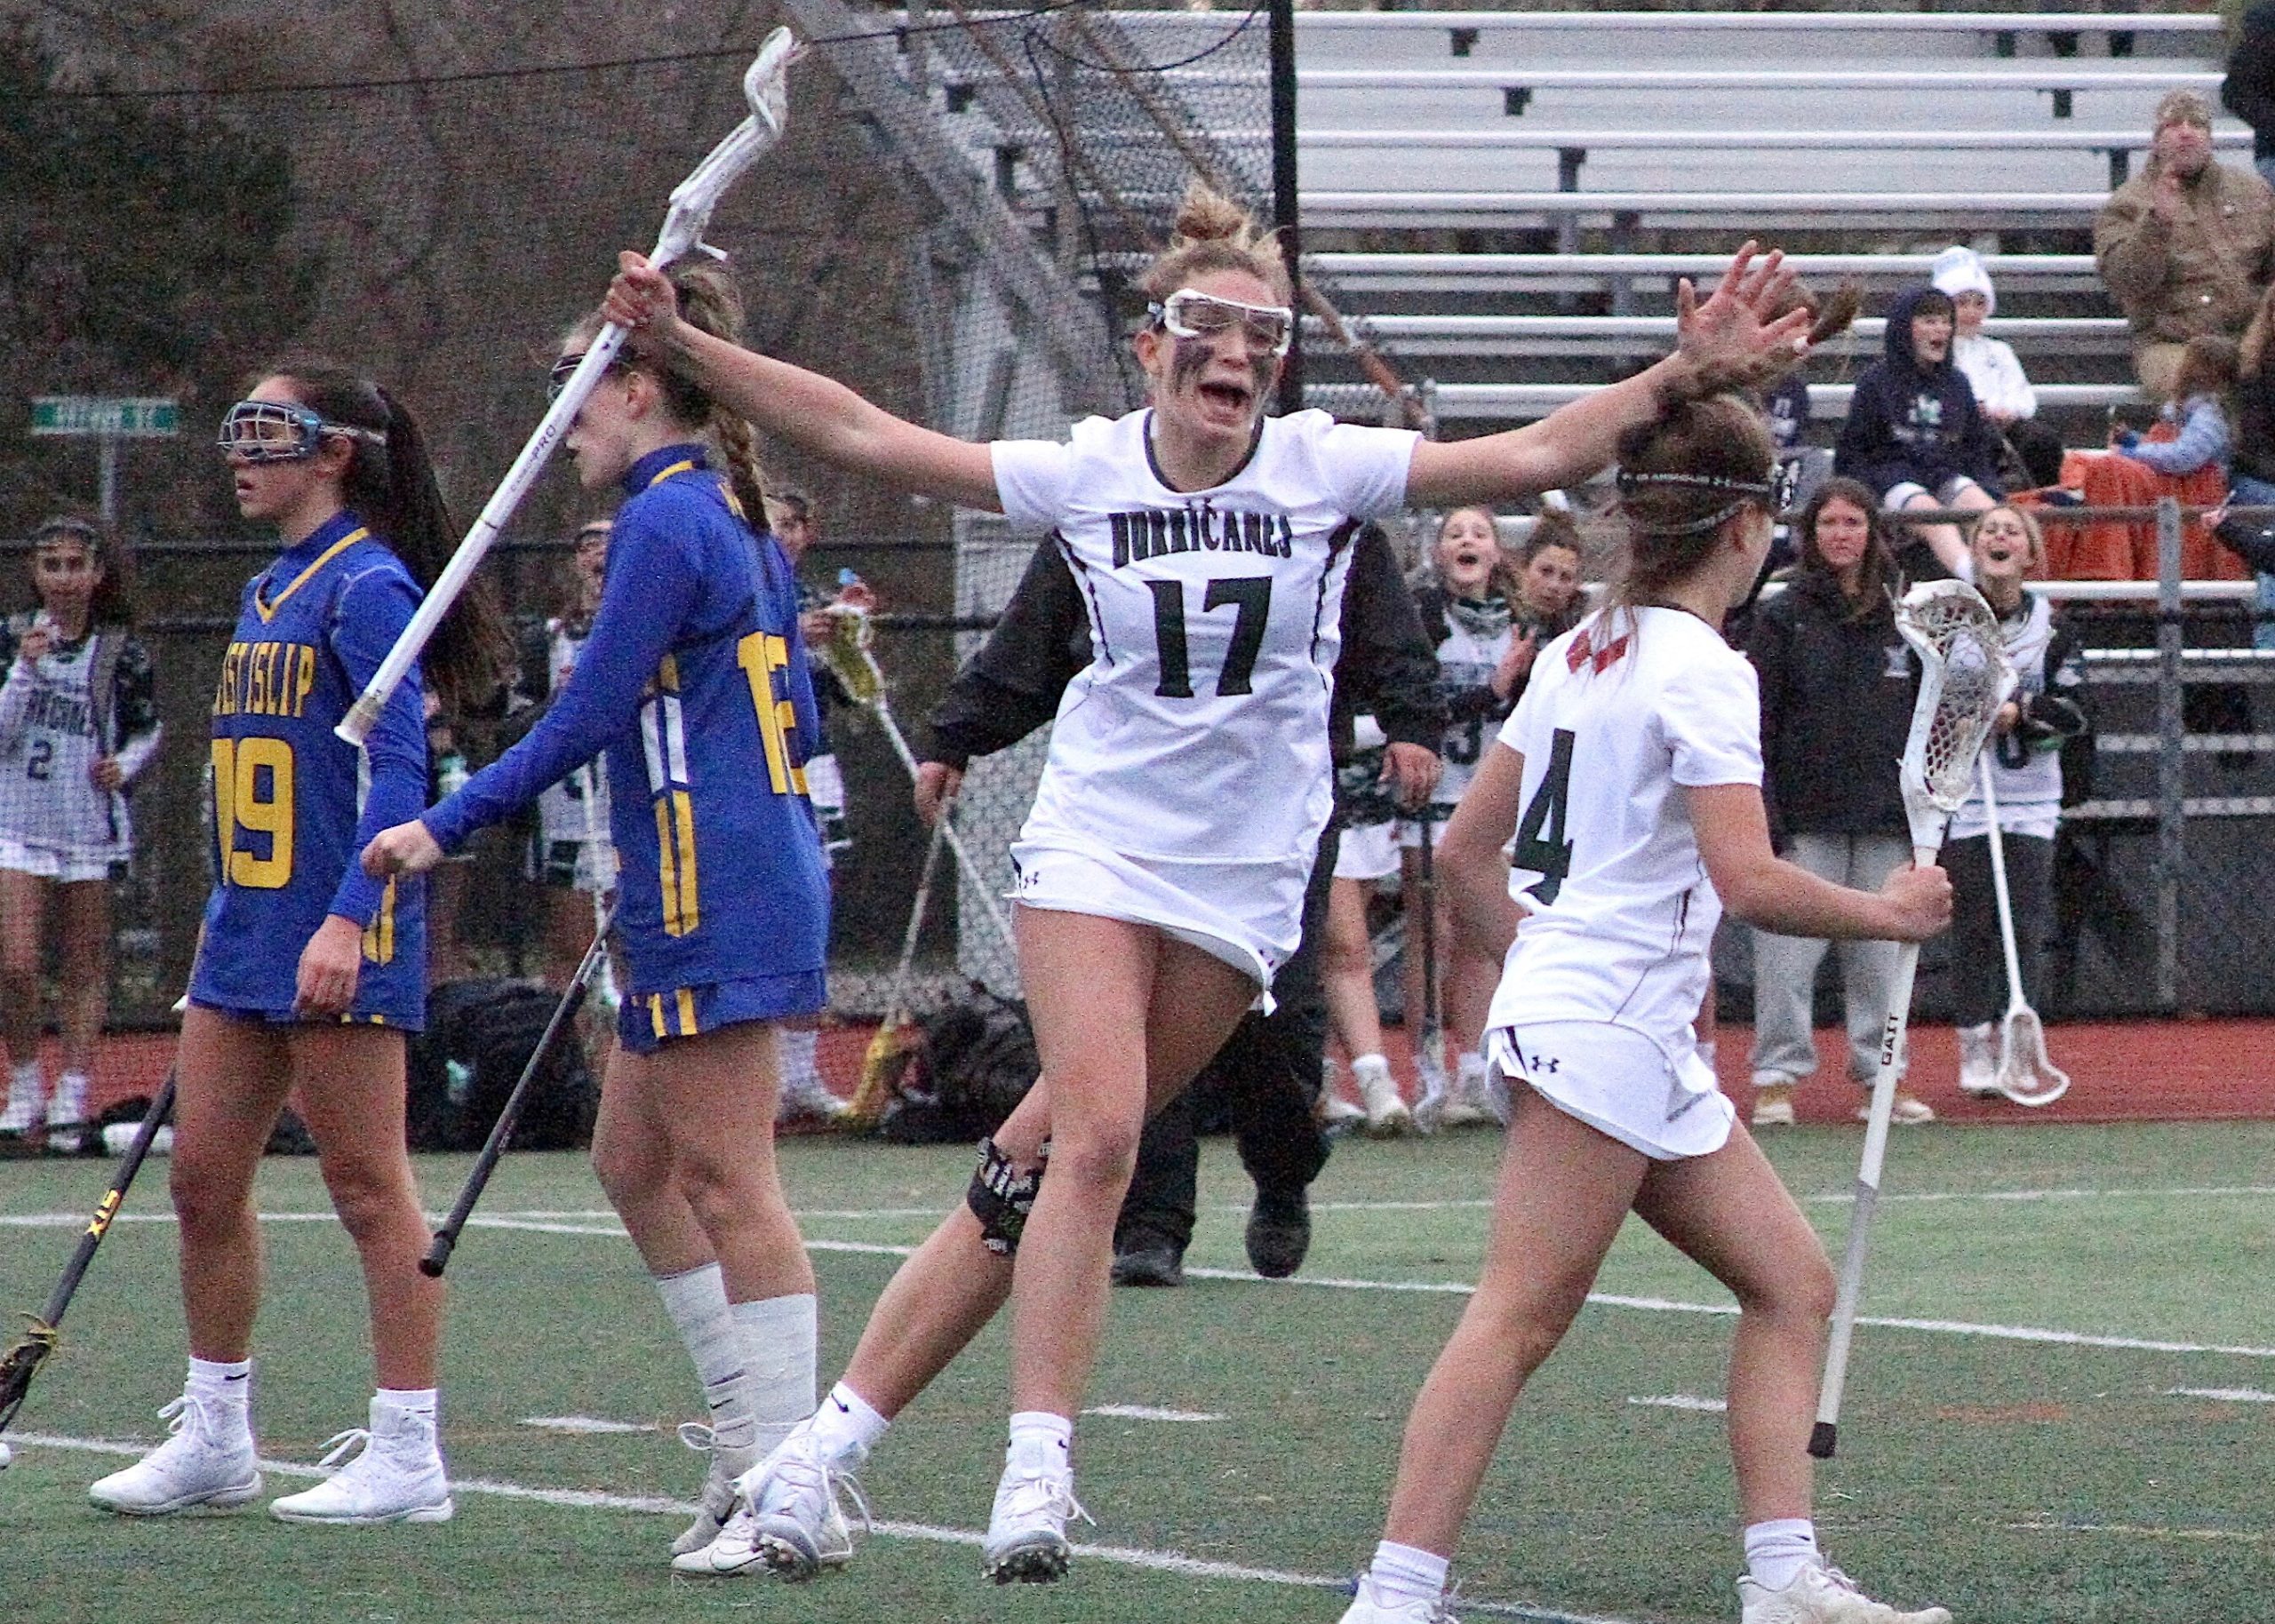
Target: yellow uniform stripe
column 378, row 936
column 666, row 878
column 682, row 466
column 656, row 1014
column 268, row 611
column 686, row 996
column 691, row 907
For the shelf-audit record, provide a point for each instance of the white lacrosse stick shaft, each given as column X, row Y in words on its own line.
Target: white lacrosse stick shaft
column 980, row 886
column 2006, row 903
column 766, row 87
column 1929, row 797
column 600, row 851
column 2021, row 1025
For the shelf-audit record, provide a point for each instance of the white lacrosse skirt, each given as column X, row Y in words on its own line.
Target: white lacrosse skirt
column 1249, row 914
column 1367, row 851
column 1658, row 1097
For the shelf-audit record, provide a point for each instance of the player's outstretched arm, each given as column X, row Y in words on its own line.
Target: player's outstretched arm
column 1729, row 340
column 1763, row 889
column 1470, row 853
column 818, row 415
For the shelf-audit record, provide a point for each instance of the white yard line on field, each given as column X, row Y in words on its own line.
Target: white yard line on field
column 1141, row 1412
column 585, row 1423
column 2225, row 1395
column 1682, row 1401
column 1458, row 1288
column 1123, row 1555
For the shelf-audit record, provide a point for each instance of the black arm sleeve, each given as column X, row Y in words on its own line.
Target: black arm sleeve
column 1766, row 647
column 1012, row 686
column 1387, row 666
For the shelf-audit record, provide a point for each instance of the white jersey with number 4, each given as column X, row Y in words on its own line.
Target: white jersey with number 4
column 1198, row 732
column 1622, row 714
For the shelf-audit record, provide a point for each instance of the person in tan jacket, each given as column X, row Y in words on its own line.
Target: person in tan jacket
column 2186, row 246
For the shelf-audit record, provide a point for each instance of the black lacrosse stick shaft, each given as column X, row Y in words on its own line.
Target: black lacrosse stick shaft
column 446, row 1238
column 16, row 1370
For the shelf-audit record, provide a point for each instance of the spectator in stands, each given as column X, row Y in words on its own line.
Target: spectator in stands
column 1914, row 434
column 2185, row 246
column 1837, row 686
column 2038, row 447
column 2197, row 412
column 2251, row 469
column 2248, row 91
column 2024, row 756
column 2002, row 391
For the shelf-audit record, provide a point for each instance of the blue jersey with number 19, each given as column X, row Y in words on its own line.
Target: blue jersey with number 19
column 694, row 680
column 293, row 803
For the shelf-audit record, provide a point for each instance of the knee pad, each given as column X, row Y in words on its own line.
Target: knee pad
column 1000, row 1197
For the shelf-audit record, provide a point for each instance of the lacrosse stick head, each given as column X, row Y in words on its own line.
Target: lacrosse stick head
column 847, row 652
column 2025, row 1075
column 17, row 1365
column 1964, row 678
column 766, row 87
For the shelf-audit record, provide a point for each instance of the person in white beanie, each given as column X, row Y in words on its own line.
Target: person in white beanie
column 2001, row 390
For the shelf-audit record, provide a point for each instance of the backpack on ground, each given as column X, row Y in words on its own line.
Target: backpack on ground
column 480, row 1034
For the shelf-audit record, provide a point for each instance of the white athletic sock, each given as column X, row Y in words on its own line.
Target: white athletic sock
column 1040, row 1441
column 1776, row 1551
column 224, row 1388
column 1470, row 1068
column 1363, row 1064
column 848, row 1425
column 777, row 1336
column 1408, row 1573
column 27, row 1081
column 799, row 1071
column 697, row 1300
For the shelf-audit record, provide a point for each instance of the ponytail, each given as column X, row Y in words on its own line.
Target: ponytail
column 1683, row 477
column 392, row 486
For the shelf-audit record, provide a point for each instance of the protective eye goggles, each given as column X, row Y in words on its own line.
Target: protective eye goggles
column 276, row 431
column 1190, row 314
column 565, row 368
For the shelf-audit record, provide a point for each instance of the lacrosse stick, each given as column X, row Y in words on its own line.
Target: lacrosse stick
column 848, row 654
column 509, row 1114
column 869, row 1099
column 1963, row 679
column 24, row 1357
column 1431, row 1054
column 766, row 87
column 2025, row 1075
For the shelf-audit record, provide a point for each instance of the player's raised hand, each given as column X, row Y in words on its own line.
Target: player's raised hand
column 1732, row 338
column 642, row 299
column 407, row 848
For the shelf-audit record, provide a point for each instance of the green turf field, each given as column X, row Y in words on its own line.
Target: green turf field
column 2055, row 1477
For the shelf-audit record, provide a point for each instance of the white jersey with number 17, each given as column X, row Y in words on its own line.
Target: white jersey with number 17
column 1198, row 733
column 1622, row 714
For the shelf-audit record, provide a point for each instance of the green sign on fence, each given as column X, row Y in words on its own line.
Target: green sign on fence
column 125, row 417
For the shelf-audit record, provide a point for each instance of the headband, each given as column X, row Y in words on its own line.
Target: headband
column 1744, row 490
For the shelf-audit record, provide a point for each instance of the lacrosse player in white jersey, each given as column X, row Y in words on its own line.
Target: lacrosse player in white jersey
column 1630, row 774
column 1160, row 874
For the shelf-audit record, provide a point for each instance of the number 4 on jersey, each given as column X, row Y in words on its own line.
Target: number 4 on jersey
column 1550, row 858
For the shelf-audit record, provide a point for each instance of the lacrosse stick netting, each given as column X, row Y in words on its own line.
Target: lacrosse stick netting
column 1964, row 678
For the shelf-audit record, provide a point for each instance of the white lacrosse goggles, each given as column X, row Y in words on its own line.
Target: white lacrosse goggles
column 277, row 431
column 1190, row 314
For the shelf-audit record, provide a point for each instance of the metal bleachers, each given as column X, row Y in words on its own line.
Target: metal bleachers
column 1507, row 199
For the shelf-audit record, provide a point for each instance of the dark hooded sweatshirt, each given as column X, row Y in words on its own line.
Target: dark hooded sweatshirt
column 1910, row 424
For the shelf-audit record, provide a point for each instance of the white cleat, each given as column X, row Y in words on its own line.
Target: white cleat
column 1370, row 1606
column 1333, row 1112
column 396, row 1476
column 788, row 1520
column 1027, row 1532
column 193, row 1469
column 716, row 1504
column 1387, row 1115
column 1825, row 1595
column 67, row 1107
